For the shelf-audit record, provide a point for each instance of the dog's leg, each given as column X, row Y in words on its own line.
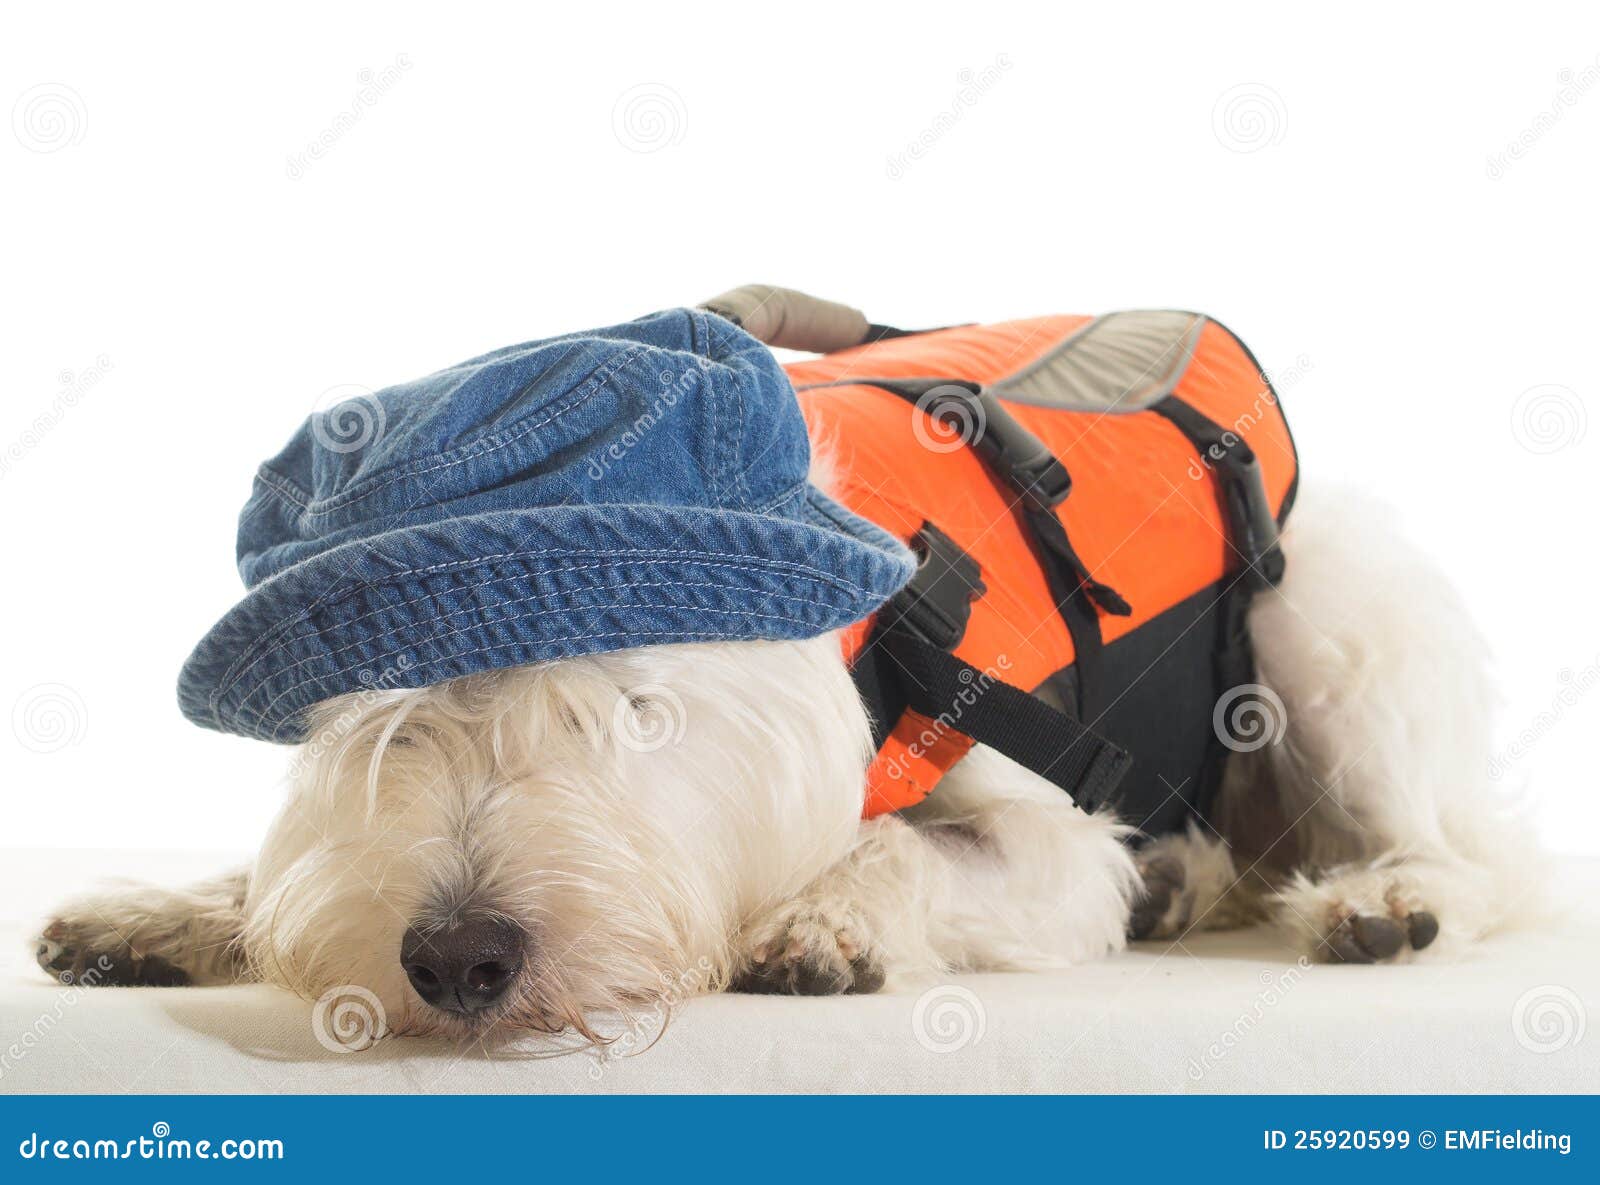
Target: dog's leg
column 1030, row 881
column 996, row 871
column 1191, row 882
column 150, row 937
column 1380, row 799
column 845, row 929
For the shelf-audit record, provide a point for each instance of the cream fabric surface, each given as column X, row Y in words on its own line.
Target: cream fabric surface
column 1228, row 1012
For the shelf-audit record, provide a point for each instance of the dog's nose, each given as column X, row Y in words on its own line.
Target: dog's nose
column 464, row 967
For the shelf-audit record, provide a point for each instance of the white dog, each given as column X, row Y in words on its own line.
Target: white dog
column 535, row 848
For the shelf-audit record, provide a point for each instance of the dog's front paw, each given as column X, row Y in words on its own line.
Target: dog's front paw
column 1163, row 907
column 810, row 948
column 89, row 954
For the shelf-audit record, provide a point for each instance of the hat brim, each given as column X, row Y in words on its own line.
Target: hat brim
column 455, row 597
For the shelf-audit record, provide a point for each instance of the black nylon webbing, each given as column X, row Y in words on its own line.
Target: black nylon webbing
column 899, row 671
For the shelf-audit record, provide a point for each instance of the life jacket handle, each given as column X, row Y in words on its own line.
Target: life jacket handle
column 793, row 320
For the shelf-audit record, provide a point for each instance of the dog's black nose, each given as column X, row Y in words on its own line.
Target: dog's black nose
column 464, row 967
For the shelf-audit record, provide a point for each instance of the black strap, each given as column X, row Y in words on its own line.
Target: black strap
column 1023, row 461
column 1252, row 527
column 898, row 671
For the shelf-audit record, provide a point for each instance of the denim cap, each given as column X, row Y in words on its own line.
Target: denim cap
column 631, row 486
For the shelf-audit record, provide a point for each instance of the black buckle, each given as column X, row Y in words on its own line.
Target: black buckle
column 935, row 605
column 982, row 421
column 1004, row 443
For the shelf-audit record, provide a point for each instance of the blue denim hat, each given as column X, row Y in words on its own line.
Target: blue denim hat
column 623, row 487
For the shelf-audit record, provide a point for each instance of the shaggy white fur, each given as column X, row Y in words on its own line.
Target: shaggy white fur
column 680, row 819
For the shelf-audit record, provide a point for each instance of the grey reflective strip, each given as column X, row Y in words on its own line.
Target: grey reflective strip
column 1121, row 362
column 791, row 320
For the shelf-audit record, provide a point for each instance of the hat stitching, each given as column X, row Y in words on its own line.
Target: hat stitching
column 322, row 507
column 518, row 619
column 262, row 649
column 273, row 724
column 480, row 609
column 289, row 491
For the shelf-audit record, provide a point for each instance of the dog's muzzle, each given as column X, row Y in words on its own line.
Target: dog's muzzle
column 465, row 967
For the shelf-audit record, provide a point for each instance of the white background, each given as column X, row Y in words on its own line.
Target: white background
column 183, row 284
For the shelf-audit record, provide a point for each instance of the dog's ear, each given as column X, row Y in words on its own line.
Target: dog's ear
column 144, row 936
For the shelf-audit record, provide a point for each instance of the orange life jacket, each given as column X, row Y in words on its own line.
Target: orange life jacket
column 1096, row 500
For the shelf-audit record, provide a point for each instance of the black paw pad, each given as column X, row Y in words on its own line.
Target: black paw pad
column 810, row 977
column 1163, row 880
column 1366, row 938
column 1422, row 928
column 122, row 968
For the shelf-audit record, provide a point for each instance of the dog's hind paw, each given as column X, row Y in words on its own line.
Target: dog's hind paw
column 1361, row 915
column 1374, row 938
column 810, row 948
